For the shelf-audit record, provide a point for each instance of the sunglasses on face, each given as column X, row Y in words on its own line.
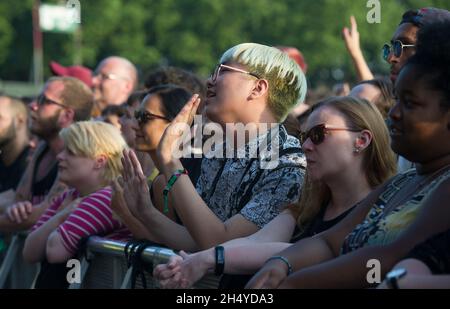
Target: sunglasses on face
column 318, row 132
column 223, row 68
column 43, row 100
column 143, row 116
column 396, row 48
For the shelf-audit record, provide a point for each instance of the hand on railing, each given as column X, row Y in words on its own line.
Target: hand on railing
column 182, row 271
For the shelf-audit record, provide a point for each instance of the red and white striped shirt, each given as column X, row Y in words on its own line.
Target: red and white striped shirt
column 92, row 216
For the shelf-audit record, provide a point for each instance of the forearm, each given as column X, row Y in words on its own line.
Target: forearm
column 425, row 282
column 166, row 231
column 136, row 227
column 7, row 198
column 203, row 225
column 249, row 258
column 347, row 271
column 8, row 226
column 35, row 245
column 362, row 69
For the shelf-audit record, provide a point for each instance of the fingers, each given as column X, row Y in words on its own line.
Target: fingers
column 137, row 168
column 353, row 23
column 184, row 255
column 188, row 111
column 127, row 169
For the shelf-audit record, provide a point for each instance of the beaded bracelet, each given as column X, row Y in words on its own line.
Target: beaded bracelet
column 169, row 186
column 285, row 260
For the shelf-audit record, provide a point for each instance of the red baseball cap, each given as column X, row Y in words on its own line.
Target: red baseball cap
column 296, row 55
column 82, row 73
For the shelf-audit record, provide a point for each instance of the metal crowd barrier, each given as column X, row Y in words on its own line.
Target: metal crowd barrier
column 15, row 273
column 102, row 267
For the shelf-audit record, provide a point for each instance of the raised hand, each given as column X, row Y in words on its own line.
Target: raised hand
column 133, row 185
column 180, row 125
column 351, row 37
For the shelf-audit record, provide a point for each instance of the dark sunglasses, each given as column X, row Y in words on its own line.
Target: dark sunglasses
column 43, row 100
column 318, row 132
column 396, row 48
column 143, row 116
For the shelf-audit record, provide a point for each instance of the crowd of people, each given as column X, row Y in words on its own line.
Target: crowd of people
column 359, row 176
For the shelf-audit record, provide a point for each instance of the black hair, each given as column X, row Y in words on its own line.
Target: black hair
column 173, row 98
column 432, row 58
column 176, row 76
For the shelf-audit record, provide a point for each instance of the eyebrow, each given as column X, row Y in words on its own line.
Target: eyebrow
column 404, row 40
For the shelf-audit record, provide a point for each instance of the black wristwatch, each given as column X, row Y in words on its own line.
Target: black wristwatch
column 220, row 260
column 393, row 276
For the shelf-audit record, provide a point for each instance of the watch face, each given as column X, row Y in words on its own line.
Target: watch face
column 397, row 273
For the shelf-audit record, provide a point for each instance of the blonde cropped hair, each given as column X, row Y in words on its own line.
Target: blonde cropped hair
column 287, row 83
column 94, row 138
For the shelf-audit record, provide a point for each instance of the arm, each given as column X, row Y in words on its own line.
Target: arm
column 120, row 209
column 351, row 38
column 26, row 219
column 419, row 276
column 55, row 250
column 6, row 199
column 350, row 270
column 310, row 251
column 35, row 245
column 242, row 255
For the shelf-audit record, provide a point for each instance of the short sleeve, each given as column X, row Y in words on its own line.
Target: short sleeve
column 273, row 192
column 93, row 216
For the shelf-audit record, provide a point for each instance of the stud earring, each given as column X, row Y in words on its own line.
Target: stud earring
column 357, row 150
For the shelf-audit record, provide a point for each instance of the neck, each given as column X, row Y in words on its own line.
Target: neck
column 56, row 144
column 146, row 162
column 155, row 160
column 347, row 190
column 11, row 151
column 433, row 166
column 87, row 188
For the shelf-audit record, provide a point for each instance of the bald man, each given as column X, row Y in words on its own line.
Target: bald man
column 14, row 142
column 114, row 80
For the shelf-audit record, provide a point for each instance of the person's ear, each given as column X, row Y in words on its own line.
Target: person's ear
column 100, row 162
column 260, row 89
column 363, row 140
column 67, row 117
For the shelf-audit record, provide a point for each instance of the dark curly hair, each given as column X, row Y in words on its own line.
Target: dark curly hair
column 432, row 58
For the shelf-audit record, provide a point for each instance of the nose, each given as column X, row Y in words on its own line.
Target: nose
column 392, row 58
column 60, row 156
column 394, row 112
column 34, row 106
column 95, row 80
column 308, row 146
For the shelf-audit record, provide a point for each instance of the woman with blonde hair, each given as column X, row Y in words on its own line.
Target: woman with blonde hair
column 348, row 154
column 91, row 159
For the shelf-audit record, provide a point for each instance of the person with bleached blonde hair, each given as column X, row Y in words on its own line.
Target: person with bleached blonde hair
column 90, row 160
column 254, row 86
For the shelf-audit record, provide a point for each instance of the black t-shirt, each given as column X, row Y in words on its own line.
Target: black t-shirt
column 317, row 226
column 41, row 188
column 10, row 175
column 435, row 253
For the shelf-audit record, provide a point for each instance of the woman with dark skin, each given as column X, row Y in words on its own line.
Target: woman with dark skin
column 406, row 210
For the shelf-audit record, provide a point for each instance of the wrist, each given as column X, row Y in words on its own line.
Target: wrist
column 208, row 260
column 284, row 262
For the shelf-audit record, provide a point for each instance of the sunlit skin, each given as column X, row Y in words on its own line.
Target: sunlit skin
column 418, row 121
column 407, row 34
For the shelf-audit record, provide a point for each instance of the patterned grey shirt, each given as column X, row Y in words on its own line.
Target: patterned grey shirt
column 241, row 186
